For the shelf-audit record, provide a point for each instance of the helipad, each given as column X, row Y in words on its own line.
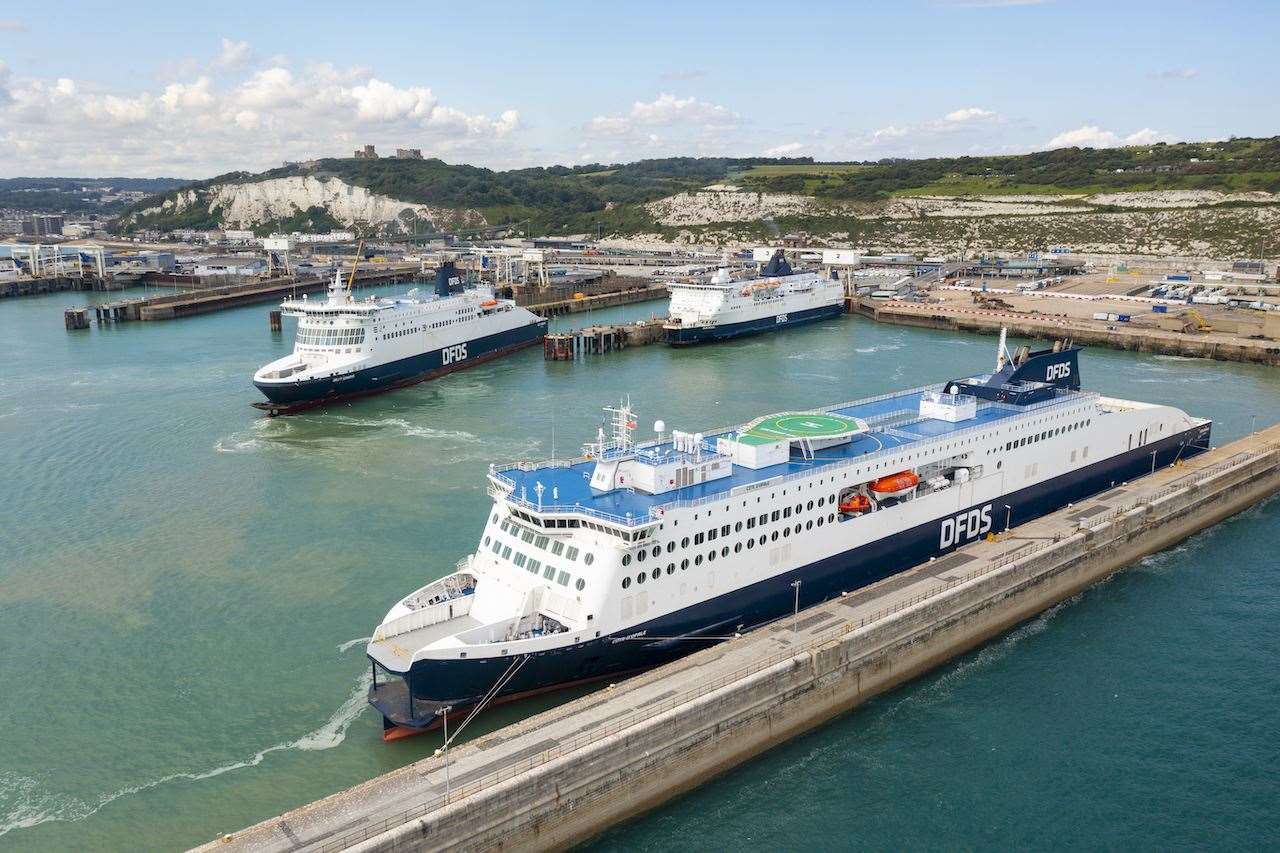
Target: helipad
column 791, row 426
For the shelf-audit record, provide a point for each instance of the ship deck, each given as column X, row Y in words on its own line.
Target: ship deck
column 893, row 422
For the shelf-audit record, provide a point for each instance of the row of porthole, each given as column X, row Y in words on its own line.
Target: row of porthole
column 724, row 551
column 723, row 531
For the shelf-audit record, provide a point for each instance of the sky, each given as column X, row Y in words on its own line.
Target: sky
column 190, row 90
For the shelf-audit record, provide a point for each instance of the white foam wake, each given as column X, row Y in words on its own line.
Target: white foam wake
column 24, row 805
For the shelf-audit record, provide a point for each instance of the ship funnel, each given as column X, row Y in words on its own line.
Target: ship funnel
column 446, row 274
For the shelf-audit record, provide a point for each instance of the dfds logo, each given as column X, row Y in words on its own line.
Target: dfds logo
column 965, row 526
column 781, row 318
column 1057, row 371
column 455, row 353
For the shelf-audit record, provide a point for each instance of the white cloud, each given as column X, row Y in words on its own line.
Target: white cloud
column 1176, row 74
column 783, row 150
column 235, row 54
column 667, row 109
column 1092, row 136
column 969, row 114
column 198, row 125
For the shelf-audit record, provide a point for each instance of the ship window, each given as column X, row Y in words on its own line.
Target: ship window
column 684, row 543
column 519, row 559
column 562, row 578
column 786, row 512
column 809, row 505
column 799, row 509
column 526, row 535
column 697, row 561
column 775, row 515
column 724, row 552
column 711, row 555
column 764, row 519
column 657, row 550
column 786, row 531
column 712, row 534
column 626, row 559
column 698, row 538
column 557, row 548
column 534, row 565
column 657, row 573
column 494, row 520
column 684, row 564
column 571, row 553
column 641, row 578
column 579, row 584
column 819, row 521
column 626, row 582
column 724, row 531
column 486, row 540
column 737, row 528
column 506, row 552
column 737, row 548
column 751, row 522
column 774, row 536
column 549, row 572
column 497, row 547
column 541, row 542
column 751, row 543
column 671, row 568
column 640, row 557
column 671, row 546
column 587, row 558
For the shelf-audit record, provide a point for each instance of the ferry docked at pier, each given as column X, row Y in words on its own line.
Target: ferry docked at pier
column 637, row 553
column 723, row 308
column 347, row 348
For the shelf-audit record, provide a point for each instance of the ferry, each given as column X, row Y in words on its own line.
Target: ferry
column 723, row 308
column 346, row 347
column 639, row 552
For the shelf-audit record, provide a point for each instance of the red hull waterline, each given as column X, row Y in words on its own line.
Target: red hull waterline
column 274, row 409
column 401, row 732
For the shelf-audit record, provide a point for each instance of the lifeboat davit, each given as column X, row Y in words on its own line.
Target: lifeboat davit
column 893, row 485
column 855, row 503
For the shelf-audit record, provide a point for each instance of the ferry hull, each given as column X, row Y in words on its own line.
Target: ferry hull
column 461, row 683
column 287, row 398
column 678, row 336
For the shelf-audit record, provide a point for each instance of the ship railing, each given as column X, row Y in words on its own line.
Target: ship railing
column 424, row 617
column 682, row 698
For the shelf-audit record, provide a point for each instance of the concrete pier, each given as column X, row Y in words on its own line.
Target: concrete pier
column 1115, row 335
column 564, row 775
column 629, row 296
column 598, row 340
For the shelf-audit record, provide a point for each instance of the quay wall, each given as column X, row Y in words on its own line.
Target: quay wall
column 1131, row 339
column 573, row 797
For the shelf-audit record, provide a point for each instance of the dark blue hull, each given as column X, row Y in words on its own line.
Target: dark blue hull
column 686, row 337
column 462, row 682
column 286, row 396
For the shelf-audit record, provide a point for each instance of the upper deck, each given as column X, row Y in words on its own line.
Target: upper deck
column 892, row 422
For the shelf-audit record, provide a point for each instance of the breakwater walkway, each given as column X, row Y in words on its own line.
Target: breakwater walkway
column 561, row 776
column 1115, row 335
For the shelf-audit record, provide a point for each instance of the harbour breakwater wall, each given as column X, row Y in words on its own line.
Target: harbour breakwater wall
column 562, row 776
column 1115, row 336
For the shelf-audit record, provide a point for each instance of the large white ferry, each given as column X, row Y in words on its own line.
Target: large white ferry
column 635, row 554
column 723, row 308
column 347, row 347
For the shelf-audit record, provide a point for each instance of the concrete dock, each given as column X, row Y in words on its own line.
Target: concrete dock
column 1115, row 335
column 626, row 296
column 598, row 340
column 564, row 775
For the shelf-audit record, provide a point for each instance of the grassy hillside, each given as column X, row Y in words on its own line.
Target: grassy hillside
column 76, row 195
column 1239, row 164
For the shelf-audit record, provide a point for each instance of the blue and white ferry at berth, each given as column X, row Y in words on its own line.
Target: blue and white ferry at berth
column 347, row 348
column 723, row 308
column 635, row 554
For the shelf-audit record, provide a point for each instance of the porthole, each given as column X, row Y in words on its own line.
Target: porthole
column 774, row 536
column 657, row 550
column 640, row 578
column 821, row 501
column 697, row 561
column 684, row 564
column 820, row 519
column 639, row 556
column 626, row 582
column 737, row 549
column 588, row 558
column 737, row 528
column 786, row 531
column 684, row 543
column 671, row 568
column 724, row 552
column 711, row 555
column 809, row 505
column 626, row 559
column 656, row 573
column 808, row 525
column 671, row 546
column 579, row 584
column 495, row 518
column 751, row 543
column 486, row 540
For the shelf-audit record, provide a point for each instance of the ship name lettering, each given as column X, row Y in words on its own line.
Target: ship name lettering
column 1057, row 371
column 965, row 526
column 449, row 355
column 781, row 318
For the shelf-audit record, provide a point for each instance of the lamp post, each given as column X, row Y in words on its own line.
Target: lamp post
column 1153, row 462
column 795, row 614
column 1008, row 516
column 445, row 711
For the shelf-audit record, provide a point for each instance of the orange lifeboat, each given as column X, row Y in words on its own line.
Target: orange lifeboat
column 895, row 484
column 488, row 303
column 855, row 503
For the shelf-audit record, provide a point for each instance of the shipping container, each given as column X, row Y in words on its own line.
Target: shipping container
column 1123, row 318
column 1160, row 309
column 1101, row 315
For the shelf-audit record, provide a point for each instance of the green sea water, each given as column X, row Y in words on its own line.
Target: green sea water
column 185, row 586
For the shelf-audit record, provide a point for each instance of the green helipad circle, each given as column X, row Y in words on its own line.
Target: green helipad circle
column 800, row 425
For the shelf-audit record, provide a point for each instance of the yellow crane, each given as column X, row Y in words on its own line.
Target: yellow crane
column 355, row 262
